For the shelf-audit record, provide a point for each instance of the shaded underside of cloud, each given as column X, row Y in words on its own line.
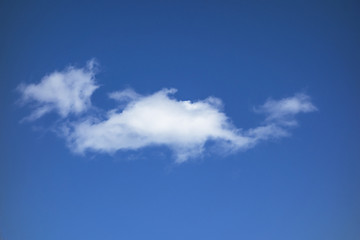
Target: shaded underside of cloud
column 158, row 119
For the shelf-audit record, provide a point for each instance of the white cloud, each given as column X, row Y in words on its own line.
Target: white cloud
column 124, row 96
column 284, row 110
column 64, row 92
column 157, row 119
column 183, row 126
column 154, row 120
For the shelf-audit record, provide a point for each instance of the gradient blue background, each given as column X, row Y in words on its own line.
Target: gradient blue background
column 303, row 187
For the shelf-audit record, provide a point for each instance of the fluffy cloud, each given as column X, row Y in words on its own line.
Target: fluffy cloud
column 157, row 119
column 153, row 120
column 64, row 92
column 184, row 126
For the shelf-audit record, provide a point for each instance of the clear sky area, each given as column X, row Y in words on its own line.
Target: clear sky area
column 133, row 120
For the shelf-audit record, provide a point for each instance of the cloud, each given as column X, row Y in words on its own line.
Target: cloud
column 284, row 110
column 65, row 92
column 124, row 96
column 184, row 126
column 158, row 119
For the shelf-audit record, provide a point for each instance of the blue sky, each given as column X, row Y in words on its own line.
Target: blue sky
column 267, row 146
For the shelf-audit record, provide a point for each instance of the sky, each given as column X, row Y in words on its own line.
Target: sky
column 179, row 120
